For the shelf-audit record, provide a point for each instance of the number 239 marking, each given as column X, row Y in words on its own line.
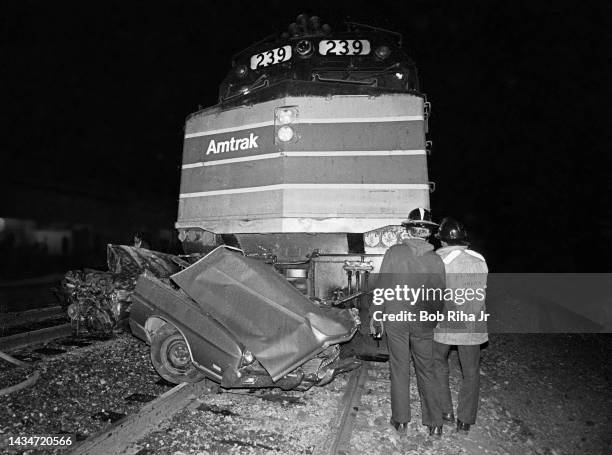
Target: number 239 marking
column 271, row 57
column 344, row 47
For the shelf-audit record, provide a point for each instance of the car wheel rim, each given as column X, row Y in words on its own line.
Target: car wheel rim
column 177, row 356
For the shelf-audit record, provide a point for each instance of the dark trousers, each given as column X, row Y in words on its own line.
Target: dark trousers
column 401, row 345
column 469, row 357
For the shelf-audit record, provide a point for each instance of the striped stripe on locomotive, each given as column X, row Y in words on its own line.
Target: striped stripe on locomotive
column 352, row 163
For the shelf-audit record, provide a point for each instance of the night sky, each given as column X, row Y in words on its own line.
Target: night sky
column 96, row 94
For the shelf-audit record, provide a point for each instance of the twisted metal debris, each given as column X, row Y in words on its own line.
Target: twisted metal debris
column 99, row 300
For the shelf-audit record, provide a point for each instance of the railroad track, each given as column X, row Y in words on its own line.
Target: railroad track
column 25, row 328
column 18, row 318
column 341, row 428
column 126, row 435
column 25, row 339
column 121, row 437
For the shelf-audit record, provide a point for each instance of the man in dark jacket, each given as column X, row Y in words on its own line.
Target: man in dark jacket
column 414, row 264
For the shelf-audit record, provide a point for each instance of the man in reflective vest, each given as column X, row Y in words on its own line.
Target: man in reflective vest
column 414, row 264
column 464, row 325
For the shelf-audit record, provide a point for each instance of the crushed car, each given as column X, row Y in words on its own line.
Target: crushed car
column 99, row 300
column 235, row 320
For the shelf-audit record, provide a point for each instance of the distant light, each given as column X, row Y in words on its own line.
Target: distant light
column 285, row 133
column 399, row 76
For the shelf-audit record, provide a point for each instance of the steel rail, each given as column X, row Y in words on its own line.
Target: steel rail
column 25, row 339
column 341, row 428
column 121, row 437
column 18, row 318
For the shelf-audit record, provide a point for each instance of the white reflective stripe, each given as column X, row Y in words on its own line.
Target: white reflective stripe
column 358, row 153
column 475, row 254
column 451, row 256
column 230, row 129
column 233, row 160
column 312, row 186
column 306, row 153
column 422, row 213
column 192, row 165
column 396, row 118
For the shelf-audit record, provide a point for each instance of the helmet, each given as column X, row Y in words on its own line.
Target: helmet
column 419, row 217
column 452, row 231
column 419, row 223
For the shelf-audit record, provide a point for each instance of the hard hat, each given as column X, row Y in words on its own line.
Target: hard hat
column 419, row 217
column 452, row 231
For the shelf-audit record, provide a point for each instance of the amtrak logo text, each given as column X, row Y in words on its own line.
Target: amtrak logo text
column 232, row 145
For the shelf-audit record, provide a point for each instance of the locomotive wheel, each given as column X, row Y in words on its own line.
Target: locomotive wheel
column 170, row 356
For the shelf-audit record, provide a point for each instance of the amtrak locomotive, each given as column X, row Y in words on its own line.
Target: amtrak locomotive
column 313, row 156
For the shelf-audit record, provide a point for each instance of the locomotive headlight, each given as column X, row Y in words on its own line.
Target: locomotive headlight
column 382, row 52
column 285, row 115
column 285, row 133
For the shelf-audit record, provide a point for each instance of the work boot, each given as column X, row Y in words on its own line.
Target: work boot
column 401, row 428
column 462, row 427
column 435, row 431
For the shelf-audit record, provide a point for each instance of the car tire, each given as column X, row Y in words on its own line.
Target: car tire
column 170, row 356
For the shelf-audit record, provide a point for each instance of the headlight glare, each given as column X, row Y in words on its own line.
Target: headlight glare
column 285, row 133
column 285, row 116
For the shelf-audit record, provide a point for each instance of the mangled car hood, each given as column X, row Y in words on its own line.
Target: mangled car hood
column 130, row 260
column 277, row 323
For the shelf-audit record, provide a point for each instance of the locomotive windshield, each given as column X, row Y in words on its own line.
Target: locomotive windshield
column 359, row 55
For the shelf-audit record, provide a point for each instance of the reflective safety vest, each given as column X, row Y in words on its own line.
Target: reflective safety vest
column 465, row 294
